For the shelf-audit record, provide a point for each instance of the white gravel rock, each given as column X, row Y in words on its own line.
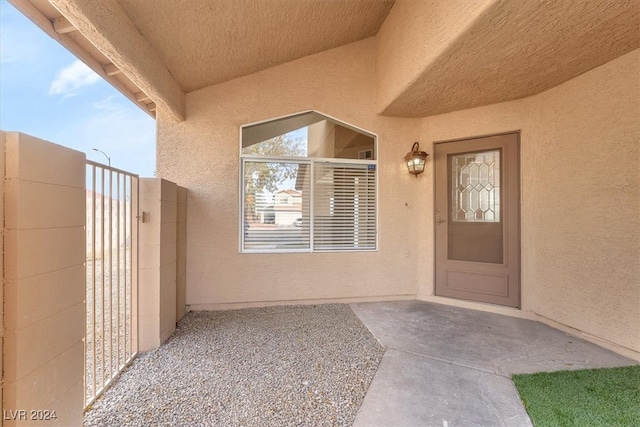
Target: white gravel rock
column 274, row 366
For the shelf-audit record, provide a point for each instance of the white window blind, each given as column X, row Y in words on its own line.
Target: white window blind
column 344, row 206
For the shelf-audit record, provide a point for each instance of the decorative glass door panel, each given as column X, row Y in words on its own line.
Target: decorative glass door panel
column 475, row 229
column 476, row 187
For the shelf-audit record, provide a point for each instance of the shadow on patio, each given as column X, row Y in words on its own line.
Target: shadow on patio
column 312, row 365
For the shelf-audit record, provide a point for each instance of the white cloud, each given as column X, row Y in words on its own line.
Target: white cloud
column 72, row 78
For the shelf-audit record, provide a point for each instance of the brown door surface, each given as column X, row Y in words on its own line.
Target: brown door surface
column 477, row 219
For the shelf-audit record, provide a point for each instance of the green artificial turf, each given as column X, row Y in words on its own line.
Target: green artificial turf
column 591, row 397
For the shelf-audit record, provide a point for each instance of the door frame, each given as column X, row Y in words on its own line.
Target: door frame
column 518, row 133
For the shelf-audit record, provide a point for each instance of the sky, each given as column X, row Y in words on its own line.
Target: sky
column 46, row 92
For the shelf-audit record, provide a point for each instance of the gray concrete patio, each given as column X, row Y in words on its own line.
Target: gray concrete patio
column 449, row 366
column 321, row 365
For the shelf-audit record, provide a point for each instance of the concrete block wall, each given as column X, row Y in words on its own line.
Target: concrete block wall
column 157, row 264
column 44, row 280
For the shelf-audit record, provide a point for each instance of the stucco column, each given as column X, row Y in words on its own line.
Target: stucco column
column 157, row 263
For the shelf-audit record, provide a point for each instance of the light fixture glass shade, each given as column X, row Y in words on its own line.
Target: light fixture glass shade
column 416, row 160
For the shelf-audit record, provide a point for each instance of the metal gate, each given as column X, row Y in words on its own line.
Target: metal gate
column 111, row 336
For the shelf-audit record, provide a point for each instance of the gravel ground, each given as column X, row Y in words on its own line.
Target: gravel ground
column 275, row 366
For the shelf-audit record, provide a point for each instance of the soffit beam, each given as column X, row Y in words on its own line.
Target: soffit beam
column 62, row 26
column 111, row 70
column 141, row 96
column 108, row 28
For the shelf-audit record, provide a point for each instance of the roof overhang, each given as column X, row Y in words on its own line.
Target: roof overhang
column 433, row 56
column 155, row 52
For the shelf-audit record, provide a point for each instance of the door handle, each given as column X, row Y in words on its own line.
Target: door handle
column 440, row 220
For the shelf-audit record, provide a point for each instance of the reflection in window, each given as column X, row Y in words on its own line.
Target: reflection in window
column 476, row 187
column 307, row 135
column 276, row 205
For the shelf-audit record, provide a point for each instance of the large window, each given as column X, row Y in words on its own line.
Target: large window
column 308, row 184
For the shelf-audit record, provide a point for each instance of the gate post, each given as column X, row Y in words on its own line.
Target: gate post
column 157, row 261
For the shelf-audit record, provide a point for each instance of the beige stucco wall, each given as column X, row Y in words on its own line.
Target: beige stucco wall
column 580, row 163
column 580, row 230
column 202, row 154
column 157, row 293
column 44, row 279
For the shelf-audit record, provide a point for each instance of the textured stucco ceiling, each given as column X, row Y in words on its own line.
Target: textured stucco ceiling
column 208, row 42
column 511, row 50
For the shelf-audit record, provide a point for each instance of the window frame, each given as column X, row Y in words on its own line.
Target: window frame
column 310, row 161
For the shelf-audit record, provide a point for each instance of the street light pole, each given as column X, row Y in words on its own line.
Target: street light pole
column 104, row 154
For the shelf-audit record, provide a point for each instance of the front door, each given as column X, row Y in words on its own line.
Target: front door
column 477, row 217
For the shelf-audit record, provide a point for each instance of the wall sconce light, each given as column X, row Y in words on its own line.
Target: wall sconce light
column 416, row 160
